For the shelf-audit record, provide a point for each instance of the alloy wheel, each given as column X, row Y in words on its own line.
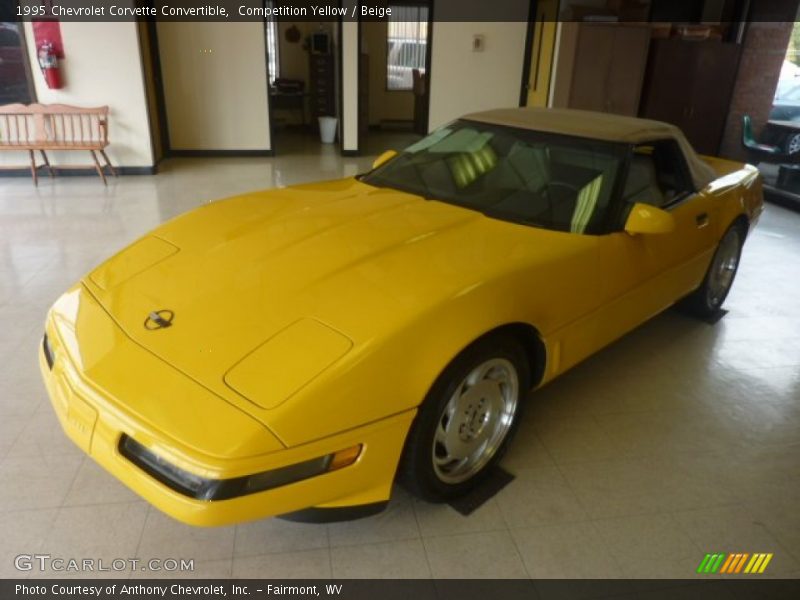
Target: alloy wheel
column 723, row 269
column 475, row 420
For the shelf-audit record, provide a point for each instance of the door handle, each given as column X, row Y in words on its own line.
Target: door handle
column 701, row 220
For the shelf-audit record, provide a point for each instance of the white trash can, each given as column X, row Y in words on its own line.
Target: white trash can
column 327, row 129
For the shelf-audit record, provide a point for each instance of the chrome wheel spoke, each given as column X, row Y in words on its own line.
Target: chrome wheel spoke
column 475, row 420
column 457, row 448
column 723, row 268
column 442, row 430
column 794, row 144
column 478, row 374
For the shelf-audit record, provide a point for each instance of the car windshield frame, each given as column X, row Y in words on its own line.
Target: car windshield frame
column 598, row 222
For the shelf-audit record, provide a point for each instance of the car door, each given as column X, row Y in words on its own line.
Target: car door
column 646, row 273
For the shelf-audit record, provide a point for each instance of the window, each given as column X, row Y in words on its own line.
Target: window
column 657, row 175
column 407, row 41
column 545, row 180
column 786, row 102
column 271, row 31
column 15, row 80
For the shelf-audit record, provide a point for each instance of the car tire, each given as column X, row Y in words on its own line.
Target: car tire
column 467, row 420
column 707, row 300
column 792, row 144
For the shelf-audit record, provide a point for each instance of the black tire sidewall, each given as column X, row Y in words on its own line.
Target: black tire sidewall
column 417, row 472
column 712, row 308
column 788, row 143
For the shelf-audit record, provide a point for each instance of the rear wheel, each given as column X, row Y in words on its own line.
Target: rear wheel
column 466, row 421
column 706, row 300
column 792, row 143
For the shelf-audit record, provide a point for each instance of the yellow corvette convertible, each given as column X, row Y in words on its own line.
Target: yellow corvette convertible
column 296, row 351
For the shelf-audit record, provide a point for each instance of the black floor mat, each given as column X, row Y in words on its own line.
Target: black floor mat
column 496, row 481
column 716, row 317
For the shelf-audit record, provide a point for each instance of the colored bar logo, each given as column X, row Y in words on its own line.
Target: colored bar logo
column 732, row 564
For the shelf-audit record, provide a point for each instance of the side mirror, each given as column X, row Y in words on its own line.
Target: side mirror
column 644, row 218
column 383, row 158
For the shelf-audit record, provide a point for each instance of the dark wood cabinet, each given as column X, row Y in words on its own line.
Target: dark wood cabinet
column 322, row 99
column 609, row 67
column 689, row 84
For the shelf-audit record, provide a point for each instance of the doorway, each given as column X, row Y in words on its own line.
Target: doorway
column 301, row 70
column 539, row 54
column 393, row 77
column 780, row 135
column 148, row 44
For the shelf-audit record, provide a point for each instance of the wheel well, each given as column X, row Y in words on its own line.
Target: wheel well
column 743, row 222
column 531, row 342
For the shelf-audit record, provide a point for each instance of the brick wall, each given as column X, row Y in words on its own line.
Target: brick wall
column 765, row 43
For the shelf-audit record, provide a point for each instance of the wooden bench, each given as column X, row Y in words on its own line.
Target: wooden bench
column 43, row 127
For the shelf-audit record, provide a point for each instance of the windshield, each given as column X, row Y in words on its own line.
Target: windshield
column 545, row 180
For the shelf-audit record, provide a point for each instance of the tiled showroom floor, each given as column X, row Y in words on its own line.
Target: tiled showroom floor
column 682, row 438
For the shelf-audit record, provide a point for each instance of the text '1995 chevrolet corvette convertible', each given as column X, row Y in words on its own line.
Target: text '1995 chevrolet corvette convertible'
column 296, row 351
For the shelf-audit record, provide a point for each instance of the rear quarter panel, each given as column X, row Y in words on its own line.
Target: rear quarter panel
column 738, row 191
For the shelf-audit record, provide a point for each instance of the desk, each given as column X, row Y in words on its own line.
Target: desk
column 289, row 101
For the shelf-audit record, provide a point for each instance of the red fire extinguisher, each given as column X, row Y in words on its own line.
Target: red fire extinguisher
column 48, row 61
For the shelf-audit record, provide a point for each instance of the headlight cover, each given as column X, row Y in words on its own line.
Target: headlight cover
column 201, row 488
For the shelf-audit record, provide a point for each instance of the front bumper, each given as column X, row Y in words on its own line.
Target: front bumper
column 96, row 419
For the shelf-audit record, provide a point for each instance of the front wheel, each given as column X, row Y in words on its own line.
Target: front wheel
column 467, row 420
column 792, row 144
column 706, row 300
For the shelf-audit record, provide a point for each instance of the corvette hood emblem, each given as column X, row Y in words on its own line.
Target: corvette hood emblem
column 159, row 319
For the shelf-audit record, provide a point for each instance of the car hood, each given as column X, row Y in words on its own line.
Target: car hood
column 333, row 264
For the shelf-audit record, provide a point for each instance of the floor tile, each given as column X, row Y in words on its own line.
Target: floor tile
column 105, row 532
column 306, row 564
column 397, row 522
column 651, row 546
column 164, row 537
column 735, row 529
column 276, row 535
column 485, row 555
column 565, row 551
column 403, row 559
column 199, row 569
column 38, row 481
column 94, row 485
column 442, row 519
column 539, row 496
column 24, row 533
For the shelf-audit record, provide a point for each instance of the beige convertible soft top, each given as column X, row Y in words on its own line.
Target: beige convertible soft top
column 601, row 126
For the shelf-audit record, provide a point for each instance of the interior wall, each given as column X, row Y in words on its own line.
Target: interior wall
column 337, row 83
column 463, row 80
column 349, row 66
column 293, row 57
column 215, row 85
column 151, row 92
column 384, row 105
column 544, row 35
column 102, row 67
